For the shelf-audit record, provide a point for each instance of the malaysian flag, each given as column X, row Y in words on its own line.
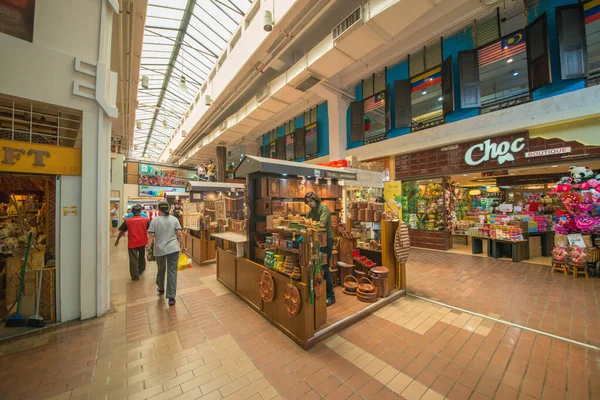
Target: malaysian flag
column 505, row 48
column 374, row 102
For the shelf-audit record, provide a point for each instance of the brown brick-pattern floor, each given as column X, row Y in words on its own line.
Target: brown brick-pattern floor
column 525, row 294
column 211, row 346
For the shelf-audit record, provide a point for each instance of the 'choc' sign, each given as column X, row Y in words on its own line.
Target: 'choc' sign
column 502, row 151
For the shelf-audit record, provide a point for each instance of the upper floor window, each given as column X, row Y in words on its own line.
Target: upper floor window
column 425, row 69
column 288, row 130
column 272, row 149
column 311, row 145
column 591, row 15
column 502, row 58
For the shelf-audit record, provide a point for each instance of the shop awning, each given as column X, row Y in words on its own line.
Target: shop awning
column 199, row 186
column 176, row 194
column 254, row 164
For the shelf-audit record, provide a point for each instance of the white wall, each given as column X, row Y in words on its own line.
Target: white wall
column 44, row 71
column 130, row 191
column 117, row 178
column 69, row 238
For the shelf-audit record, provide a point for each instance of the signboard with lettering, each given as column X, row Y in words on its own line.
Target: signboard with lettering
column 33, row 158
column 351, row 176
column 507, row 151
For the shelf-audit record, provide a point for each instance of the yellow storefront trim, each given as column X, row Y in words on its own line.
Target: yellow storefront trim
column 33, row 158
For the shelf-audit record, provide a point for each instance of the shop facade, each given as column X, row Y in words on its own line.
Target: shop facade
column 450, row 193
column 64, row 67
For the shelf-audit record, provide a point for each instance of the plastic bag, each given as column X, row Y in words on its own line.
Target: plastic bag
column 184, row 262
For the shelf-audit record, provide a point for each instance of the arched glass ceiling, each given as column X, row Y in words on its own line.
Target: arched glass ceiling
column 181, row 38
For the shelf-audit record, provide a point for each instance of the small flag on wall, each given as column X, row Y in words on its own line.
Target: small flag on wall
column 591, row 11
column 311, row 129
column 501, row 49
column 375, row 102
column 425, row 80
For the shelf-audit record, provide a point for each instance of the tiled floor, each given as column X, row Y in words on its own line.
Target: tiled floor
column 526, row 294
column 211, row 346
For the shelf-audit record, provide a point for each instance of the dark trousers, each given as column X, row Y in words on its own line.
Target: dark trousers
column 137, row 261
column 326, row 272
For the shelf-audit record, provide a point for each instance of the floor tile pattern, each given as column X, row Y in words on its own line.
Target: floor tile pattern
column 526, row 294
column 212, row 346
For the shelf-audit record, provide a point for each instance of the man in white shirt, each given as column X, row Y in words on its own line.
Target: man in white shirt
column 114, row 218
column 167, row 238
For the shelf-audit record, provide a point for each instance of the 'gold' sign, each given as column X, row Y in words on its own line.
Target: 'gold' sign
column 33, row 158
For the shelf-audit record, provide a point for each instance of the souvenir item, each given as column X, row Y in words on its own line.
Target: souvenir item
column 291, row 298
column 350, row 284
column 266, row 287
column 559, row 253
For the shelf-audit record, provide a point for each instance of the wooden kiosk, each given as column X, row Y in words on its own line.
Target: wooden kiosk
column 209, row 206
column 172, row 197
column 277, row 274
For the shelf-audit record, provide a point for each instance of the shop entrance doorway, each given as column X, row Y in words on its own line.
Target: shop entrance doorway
column 503, row 213
column 27, row 207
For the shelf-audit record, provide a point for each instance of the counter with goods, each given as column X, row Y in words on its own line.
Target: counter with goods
column 281, row 272
column 211, row 208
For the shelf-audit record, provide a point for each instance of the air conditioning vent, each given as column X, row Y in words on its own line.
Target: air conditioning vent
column 263, row 94
column 306, row 84
column 352, row 20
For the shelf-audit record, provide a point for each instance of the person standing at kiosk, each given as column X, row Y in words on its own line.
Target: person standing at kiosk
column 320, row 212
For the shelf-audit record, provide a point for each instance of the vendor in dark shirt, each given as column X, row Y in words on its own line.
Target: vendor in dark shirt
column 320, row 212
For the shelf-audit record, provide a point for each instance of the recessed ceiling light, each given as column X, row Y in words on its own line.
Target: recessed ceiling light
column 553, row 166
column 509, row 60
column 516, row 73
column 424, row 92
column 512, row 173
column 440, row 98
column 465, row 174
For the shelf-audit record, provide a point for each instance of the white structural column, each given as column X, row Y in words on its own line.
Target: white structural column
column 337, row 107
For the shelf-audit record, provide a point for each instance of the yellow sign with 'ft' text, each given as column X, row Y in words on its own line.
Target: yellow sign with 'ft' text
column 33, row 158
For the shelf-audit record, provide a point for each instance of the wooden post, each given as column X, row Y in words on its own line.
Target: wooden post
column 221, row 163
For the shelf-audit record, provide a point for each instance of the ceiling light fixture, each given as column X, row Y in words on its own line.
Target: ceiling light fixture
column 424, row 92
column 493, row 189
column 182, row 84
column 516, row 73
column 165, row 124
column 145, row 82
column 138, row 124
column 465, row 174
column 553, row 166
column 509, row 60
column 474, row 192
column 440, row 98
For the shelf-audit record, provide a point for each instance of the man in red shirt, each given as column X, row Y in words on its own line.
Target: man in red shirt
column 137, row 226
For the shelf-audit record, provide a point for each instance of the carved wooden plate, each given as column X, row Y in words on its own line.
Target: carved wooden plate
column 266, row 287
column 291, row 298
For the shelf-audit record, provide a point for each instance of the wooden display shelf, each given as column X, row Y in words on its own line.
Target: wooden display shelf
column 295, row 251
column 283, row 273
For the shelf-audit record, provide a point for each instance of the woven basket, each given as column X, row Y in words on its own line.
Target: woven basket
column 349, row 286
